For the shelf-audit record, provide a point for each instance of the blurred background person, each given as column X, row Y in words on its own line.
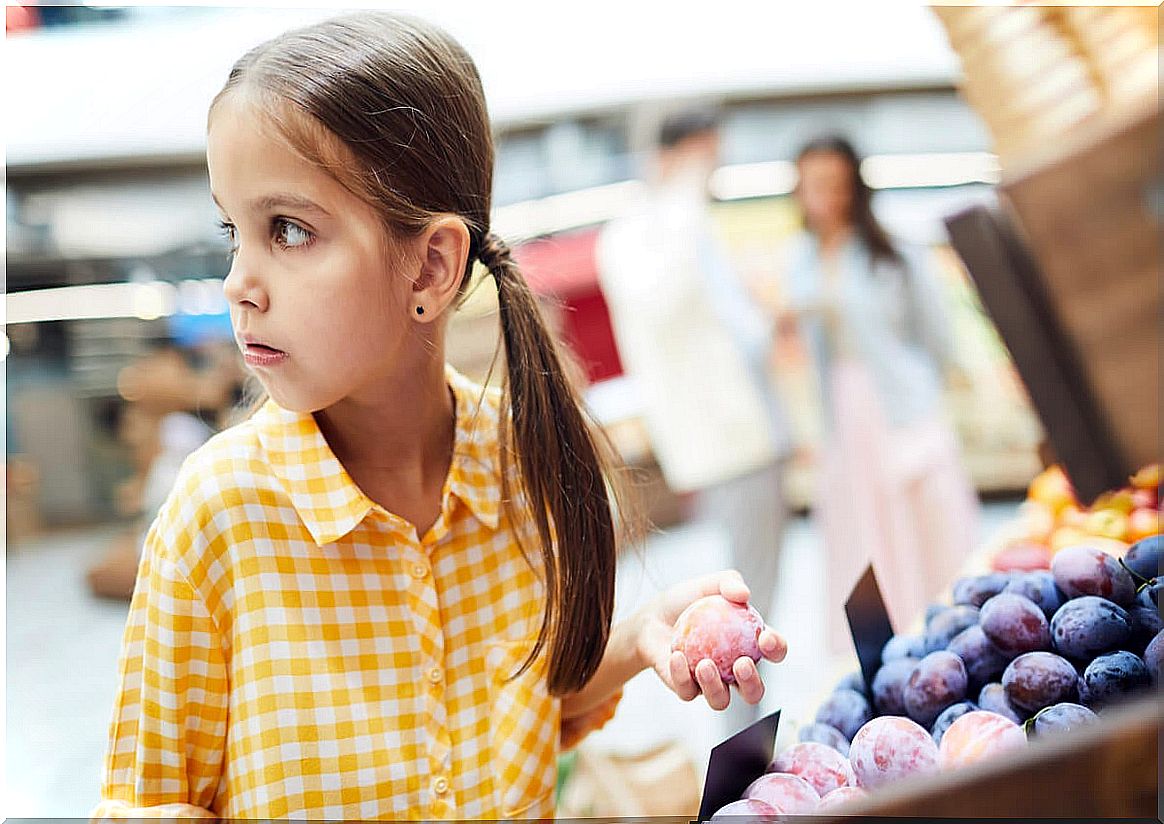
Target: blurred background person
column 697, row 348
column 171, row 408
column 891, row 489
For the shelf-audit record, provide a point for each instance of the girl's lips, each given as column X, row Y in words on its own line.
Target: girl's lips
column 256, row 354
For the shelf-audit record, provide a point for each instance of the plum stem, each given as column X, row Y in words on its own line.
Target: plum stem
column 1029, row 724
column 1140, row 579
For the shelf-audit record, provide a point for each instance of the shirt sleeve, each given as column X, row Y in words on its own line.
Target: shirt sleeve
column 798, row 271
column 750, row 325
column 575, row 729
column 167, row 736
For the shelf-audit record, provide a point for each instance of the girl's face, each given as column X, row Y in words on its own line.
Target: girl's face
column 825, row 191
column 318, row 309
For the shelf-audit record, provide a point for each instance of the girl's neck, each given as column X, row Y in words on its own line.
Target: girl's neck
column 396, row 439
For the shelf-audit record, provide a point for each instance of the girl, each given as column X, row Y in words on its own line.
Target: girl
column 388, row 593
column 892, row 490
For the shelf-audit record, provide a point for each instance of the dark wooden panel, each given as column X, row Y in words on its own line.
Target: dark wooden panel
column 1091, row 219
column 1012, row 289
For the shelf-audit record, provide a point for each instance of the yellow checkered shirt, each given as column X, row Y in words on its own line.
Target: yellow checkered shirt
column 294, row 651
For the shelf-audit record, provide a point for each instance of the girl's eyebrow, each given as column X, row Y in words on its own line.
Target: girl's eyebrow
column 281, row 200
column 287, row 201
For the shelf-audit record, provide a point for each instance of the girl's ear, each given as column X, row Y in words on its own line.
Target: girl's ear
column 443, row 251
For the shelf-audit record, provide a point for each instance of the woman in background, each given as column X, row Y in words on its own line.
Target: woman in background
column 892, row 490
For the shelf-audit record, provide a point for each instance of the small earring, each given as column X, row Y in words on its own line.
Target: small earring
column 420, row 310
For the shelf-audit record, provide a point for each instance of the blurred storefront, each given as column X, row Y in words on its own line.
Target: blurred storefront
column 113, row 242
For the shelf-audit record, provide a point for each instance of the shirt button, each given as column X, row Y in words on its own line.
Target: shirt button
column 419, row 570
column 435, row 675
column 441, row 785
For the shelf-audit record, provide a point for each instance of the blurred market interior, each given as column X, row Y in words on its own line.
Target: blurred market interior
column 114, row 263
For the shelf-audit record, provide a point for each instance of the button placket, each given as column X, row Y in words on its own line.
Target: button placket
column 425, row 602
column 441, row 793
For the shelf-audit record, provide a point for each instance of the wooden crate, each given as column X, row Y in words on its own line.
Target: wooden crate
column 1069, row 270
column 1090, row 216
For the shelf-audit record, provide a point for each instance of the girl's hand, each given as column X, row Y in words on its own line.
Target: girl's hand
column 657, row 625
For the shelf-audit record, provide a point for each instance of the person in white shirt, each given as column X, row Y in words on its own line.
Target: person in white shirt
column 697, row 347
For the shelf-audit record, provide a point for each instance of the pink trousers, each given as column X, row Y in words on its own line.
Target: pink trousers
column 896, row 497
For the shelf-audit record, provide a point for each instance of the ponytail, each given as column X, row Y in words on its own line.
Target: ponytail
column 563, row 477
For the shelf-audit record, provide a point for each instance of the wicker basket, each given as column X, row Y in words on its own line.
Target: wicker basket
column 1036, row 74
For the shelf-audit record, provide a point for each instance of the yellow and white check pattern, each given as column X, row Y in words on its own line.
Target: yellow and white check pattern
column 293, row 650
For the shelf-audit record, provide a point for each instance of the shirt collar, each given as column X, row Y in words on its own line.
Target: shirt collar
column 328, row 500
column 475, row 473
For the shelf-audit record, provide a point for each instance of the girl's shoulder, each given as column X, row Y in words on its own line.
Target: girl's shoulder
column 464, row 386
column 221, row 455
column 479, row 405
column 227, row 471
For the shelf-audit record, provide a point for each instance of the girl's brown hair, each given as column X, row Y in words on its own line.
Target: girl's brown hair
column 393, row 107
column 865, row 222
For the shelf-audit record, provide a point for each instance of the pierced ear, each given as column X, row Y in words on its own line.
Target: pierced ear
column 444, row 253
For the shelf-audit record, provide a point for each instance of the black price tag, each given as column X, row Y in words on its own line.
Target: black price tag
column 868, row 624
column 738, row 762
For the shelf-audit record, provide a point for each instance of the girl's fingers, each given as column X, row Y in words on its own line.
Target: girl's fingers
column 714, row 689
column 772, row 646
column 748, row 680
column 732, row 587
column 681, row 681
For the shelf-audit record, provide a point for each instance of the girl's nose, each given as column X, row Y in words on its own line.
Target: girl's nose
column 243, row 287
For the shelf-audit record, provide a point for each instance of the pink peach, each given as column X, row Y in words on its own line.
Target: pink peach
column 818, row 764
column 839, row 797
column 720, row 630
column 749, row 807
column 977, row 736
column 789, row 794
column 890, row 748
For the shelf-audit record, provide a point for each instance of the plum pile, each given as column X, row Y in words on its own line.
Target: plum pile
column 1085, row 633
column 812, row 778
column 1021, row 655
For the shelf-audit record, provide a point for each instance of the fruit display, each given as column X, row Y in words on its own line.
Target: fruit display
column 1056, row 633
column 1020, row 656
column 1052, row 519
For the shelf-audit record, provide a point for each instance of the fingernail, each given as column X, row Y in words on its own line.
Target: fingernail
column 746, row 675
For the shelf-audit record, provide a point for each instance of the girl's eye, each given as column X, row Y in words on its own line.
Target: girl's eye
column 228, row 231
column 291, row 235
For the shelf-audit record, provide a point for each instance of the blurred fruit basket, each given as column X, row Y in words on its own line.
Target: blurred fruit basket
column 1052, row 518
